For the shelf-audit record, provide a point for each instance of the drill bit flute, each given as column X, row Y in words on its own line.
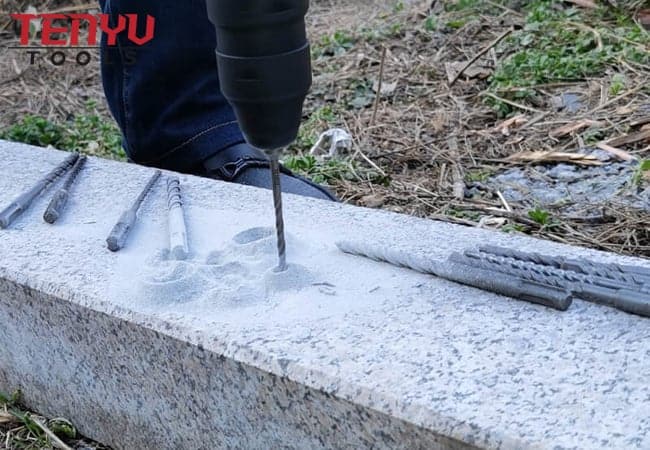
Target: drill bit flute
column 626, row 274
column 20, row 204
column 600, row 283
column 279, row 218
column 178, row 246
column 478, row 277
column 60, row 198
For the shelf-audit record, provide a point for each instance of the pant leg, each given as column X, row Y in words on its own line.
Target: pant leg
column 165, row 95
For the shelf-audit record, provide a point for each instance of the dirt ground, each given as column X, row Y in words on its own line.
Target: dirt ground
column 434, row 141
column 428, row 139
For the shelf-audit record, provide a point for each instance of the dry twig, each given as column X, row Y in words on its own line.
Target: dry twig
column 380, row 83
column 476, row 57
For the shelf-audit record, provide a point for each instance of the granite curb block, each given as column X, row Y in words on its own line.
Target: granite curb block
column 421, row 363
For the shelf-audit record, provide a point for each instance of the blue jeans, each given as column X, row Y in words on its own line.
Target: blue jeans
column 165, row 95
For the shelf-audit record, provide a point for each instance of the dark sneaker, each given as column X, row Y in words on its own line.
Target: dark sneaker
column 244, row 164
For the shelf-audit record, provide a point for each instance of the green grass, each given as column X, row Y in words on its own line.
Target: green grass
column 617, row 85
column 513, row 228
column 86, row 133
column 540, row 216
column 472, row 216
column 431, row 24
column 461, row 12
column 642, row 174
column 331, row 170
column 543, row 218
column 478, row 175
column 335, row 44
column 567, row 44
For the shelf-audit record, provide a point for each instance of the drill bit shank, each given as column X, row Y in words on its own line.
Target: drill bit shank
column 20, row 204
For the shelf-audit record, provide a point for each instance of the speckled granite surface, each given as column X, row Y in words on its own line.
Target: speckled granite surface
column 418, row 362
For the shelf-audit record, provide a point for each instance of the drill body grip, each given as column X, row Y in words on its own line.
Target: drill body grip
column 264, row 65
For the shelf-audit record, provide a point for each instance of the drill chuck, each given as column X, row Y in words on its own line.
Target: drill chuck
column 264, row 65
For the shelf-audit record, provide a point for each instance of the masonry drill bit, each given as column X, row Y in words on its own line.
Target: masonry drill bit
column 120, row 232
column 20, row 204
column 178, row 246
column 522, row 269
column 628, row 274
column 498, row 283
column 587, row 287
column 279, row 218
column 60, row 198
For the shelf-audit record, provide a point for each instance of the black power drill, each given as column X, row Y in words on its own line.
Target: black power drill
column 264, row 64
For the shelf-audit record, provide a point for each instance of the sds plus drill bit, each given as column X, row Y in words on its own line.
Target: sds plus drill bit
column 178, row 246
column 455, row 270
column 279, row 218
column 60, row 198
column 120, row 233
column 20, row 204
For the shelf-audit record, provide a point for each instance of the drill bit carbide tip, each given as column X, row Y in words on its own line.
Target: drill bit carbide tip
column 60, row 197
column 120, row 232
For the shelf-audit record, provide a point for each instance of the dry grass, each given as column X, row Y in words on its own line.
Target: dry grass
column 430, row 139
column 42, row 89
column 22, row 430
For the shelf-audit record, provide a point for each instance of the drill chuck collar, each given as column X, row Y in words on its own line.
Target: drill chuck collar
column 264, row 66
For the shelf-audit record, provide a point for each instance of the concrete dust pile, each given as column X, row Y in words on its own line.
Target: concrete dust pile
column 241, row 274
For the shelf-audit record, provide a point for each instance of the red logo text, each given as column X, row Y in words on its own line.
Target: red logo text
column 55, row 35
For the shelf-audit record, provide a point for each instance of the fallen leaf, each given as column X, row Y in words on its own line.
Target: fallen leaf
column 386, row 88
column 492, row 222
column 6, row 417
column 620, row 154
column 554, row 157
column 644, row 18
column 514, row 122
column 584, row 3
column 573, row 127
column 515, row 140
column 631, row 138
column 474, row 71
column 373, row 200
column 624, row 110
